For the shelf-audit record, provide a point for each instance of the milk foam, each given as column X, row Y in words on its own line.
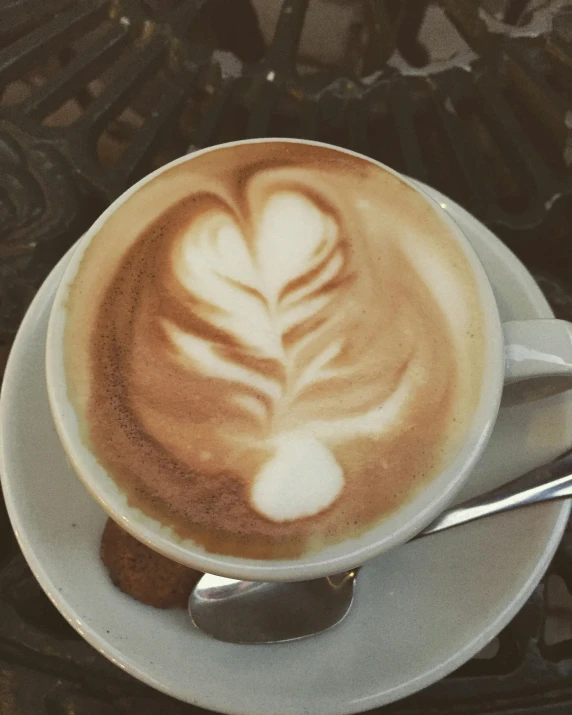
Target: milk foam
column 282, row 354
column 301, row 479
column 240, row 282
column 446, row 288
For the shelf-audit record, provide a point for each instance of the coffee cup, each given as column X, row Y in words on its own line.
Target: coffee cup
column 276, row 359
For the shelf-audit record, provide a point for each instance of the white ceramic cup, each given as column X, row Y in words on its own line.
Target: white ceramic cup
column 536, row 352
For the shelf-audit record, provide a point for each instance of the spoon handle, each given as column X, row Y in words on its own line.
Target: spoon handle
column 547, row 483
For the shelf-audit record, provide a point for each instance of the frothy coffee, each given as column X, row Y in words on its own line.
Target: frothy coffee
column 272, row 346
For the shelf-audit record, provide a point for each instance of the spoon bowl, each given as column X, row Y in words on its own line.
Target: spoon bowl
column 263, row 612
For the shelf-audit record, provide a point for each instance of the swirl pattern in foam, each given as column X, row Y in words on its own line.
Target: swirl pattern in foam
column 272, row 346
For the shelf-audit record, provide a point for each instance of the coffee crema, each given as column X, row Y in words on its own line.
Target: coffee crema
column 271, row 346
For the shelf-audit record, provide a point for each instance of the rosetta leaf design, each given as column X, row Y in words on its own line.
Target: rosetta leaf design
column 267, row 289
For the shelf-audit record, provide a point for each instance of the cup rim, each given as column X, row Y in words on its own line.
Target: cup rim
column 331, row 559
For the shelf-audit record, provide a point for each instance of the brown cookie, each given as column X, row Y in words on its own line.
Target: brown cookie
column 142, row 573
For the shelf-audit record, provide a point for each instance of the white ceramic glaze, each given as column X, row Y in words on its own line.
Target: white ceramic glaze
column 537, row 348
column 392, row 531
column 421, row 610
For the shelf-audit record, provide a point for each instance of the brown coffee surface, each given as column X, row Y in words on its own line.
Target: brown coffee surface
column 272, row 346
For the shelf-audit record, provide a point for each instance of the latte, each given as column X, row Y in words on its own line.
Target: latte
column 272, row 346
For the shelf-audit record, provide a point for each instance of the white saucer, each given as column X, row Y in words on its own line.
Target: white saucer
column 421, row 610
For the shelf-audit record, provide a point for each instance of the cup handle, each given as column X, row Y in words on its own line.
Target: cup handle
column 538, row 354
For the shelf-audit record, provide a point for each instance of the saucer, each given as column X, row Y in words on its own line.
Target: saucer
column 421, row 610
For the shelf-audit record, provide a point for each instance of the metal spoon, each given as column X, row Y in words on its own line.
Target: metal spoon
column 260, row 612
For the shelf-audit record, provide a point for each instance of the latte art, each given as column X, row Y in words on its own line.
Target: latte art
column 282, row 343
column 270, row 300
